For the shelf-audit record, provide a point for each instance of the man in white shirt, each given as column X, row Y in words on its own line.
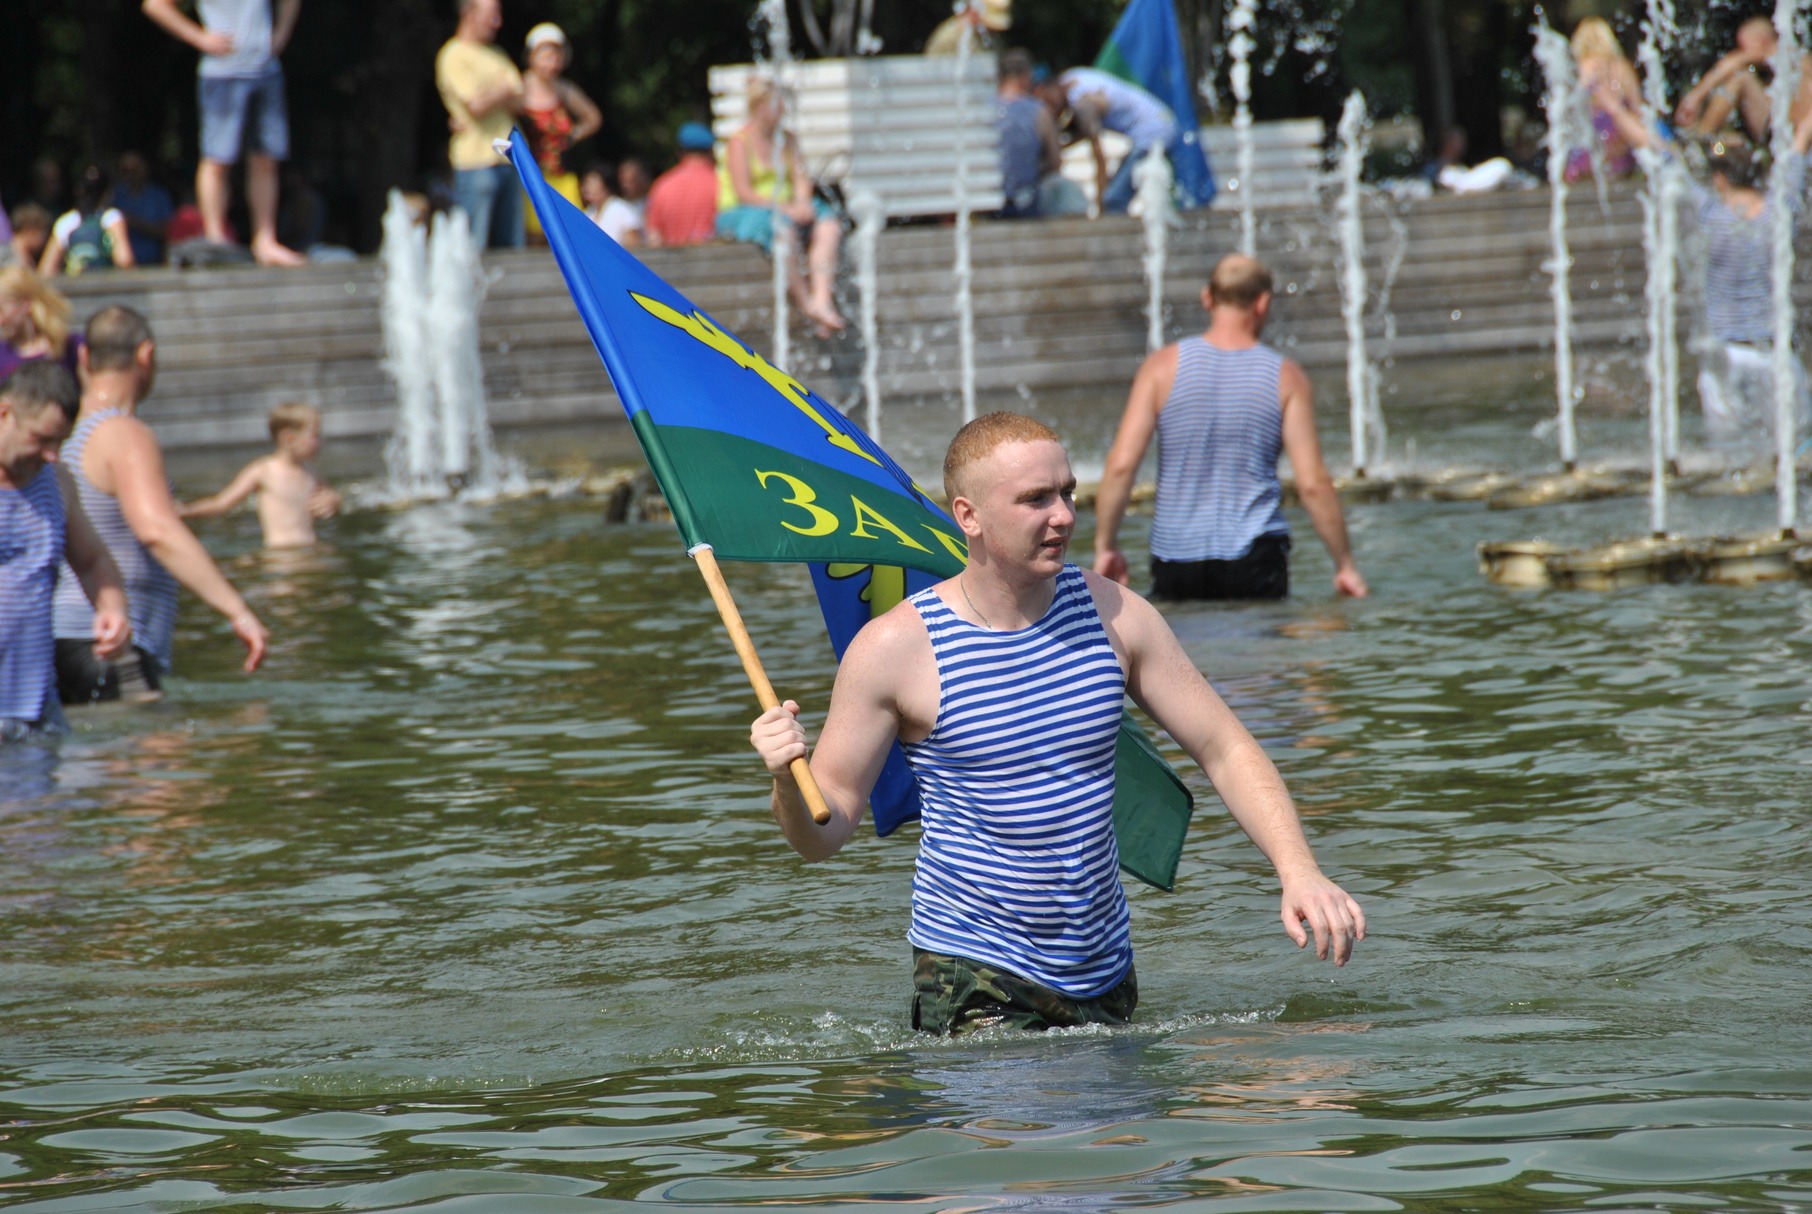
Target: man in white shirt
column 1098, row 102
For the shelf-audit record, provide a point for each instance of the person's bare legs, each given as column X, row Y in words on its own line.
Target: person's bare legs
column 1802, row 98
column 261, row 201
column 827, row 237
column 1753, row 105
column 211, row 198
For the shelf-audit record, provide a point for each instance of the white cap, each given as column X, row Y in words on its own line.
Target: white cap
column 547, row 31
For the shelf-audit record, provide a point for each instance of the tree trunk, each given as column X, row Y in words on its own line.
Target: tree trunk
column 1479, row 83
column 390, row 85
column 1434, row 72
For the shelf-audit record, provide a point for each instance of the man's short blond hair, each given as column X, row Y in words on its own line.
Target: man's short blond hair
column 978, row 439
column 1238, row 281
column 291, row 416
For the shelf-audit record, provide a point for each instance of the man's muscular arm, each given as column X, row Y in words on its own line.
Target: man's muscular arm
column 1313, row 484
column 861, row 727
column 1162, row 680
column 1140, row 421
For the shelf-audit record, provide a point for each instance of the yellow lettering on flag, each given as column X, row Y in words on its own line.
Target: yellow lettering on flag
column 866, row 514
column 708, row 334
column 804, row 497
column 952, row 545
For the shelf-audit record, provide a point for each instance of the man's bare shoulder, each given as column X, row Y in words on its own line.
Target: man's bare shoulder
column 895, row 636
column 1292, row 380
column 1124, row 612
column 1111, row 596
column 115, row 442
column 120, row 430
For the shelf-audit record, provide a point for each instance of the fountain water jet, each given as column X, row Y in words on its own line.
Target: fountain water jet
column 408, row 357
column 1785, row 366
column 965, row 298
column 1669, row 187
column 1660, row 248
column 1365, row 414
column 1158, row 213
column 866, row 208
column 1563, row 102
column 456, row 288
column 432, row 292
column 1241, row 21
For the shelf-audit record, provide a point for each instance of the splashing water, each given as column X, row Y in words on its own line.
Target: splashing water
column 456, row 288
column 1786, row 367
column 772, row 16
column 1241, row 21
column 1658, row 34
column 432, row 291
column 1365, row 414
column 1158, row 213
column 965, row 298
column 866, row 208
column 408, row 357
column 1660, row 249
column 1564, row 103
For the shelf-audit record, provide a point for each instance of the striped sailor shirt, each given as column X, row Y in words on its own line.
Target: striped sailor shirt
column 1219, row 435
column 1739, row 260
column 150, row 588
column 1017, row 862
column 31, row 551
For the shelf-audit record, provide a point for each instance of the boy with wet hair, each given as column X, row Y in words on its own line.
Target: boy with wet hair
column 290, row 495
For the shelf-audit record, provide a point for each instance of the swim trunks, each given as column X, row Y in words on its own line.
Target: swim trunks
column 955, row 995
column 1262, row 573
column 83, row 678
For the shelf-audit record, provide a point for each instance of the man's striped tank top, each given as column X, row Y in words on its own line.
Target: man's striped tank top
column 1219, row 435
column 150, row 590
column 31, row 552
column 1017, row 862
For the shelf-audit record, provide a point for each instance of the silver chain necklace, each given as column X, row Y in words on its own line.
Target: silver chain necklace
column 962, row 586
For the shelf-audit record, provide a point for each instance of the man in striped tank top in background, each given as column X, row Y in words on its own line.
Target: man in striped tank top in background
column 41, row 525
column 118, row 469
column 1223, row 406
column 1004, row 686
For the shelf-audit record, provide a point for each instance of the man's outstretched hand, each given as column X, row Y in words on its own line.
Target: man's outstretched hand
column 1331, row 914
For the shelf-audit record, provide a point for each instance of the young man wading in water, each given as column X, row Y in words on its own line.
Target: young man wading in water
column 1005, row 685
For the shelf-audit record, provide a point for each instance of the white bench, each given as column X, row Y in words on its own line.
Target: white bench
column 893, row 124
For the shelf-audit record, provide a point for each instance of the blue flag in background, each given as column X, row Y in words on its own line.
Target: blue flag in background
column 1146, row 49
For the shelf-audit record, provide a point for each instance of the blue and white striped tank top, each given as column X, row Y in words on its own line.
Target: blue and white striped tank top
column 1017, row 862
column 150, row 590
column 1219, row 435
column 31, row 552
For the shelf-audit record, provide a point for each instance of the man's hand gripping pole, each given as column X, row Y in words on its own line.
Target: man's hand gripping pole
column 758, row 677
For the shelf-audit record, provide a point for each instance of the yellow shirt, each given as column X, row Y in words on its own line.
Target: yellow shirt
column 464, row 69
column 761, row 180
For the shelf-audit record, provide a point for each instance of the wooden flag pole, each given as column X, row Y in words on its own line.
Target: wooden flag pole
column 758, row 677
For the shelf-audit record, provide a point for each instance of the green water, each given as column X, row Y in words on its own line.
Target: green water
column 471, row 902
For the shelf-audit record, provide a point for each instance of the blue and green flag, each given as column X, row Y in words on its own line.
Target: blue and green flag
column 761, row 468
column 1146, row 49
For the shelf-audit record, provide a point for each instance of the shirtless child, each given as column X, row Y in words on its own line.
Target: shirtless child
column 290, row 496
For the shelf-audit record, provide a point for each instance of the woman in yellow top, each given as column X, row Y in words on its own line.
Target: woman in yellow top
column 747, row 208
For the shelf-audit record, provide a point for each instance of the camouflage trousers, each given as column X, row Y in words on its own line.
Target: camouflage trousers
column 955, row 995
